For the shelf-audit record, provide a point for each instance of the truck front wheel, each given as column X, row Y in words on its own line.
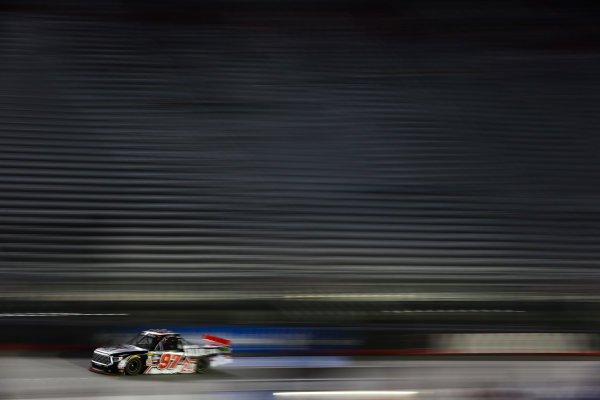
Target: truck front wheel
column 133, row 366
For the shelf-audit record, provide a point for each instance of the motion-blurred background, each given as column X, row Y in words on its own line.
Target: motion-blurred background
column 303, row 177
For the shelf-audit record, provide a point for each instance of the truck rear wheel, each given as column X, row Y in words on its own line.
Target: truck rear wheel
column 202, row 365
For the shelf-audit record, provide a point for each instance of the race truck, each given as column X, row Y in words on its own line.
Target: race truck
column 161, row 351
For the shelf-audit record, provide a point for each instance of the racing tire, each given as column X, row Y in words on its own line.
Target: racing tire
column 203, row 365
column 134, row 366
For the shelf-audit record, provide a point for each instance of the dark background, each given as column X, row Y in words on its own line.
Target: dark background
column 298, row 163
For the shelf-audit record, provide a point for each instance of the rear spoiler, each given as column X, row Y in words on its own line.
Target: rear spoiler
column 216, row 339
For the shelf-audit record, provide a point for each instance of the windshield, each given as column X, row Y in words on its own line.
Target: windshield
column 143, row 341
column 135, row 339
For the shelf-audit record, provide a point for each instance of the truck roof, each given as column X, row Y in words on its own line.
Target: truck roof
column 156, row 332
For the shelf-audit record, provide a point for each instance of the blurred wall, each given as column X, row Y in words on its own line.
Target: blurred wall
column 299, row 163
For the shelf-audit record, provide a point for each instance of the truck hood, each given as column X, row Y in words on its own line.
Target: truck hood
column 120, row 348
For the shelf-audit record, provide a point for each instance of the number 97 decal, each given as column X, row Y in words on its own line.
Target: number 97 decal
column 168, row 360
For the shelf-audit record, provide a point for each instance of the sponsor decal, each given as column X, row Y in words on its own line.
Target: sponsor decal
column 187, row 367
column 167, row 363
column 153, row 359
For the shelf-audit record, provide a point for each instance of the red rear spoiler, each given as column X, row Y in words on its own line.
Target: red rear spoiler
column 217, row 339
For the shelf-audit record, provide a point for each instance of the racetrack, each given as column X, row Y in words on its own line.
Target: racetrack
column 259, row 378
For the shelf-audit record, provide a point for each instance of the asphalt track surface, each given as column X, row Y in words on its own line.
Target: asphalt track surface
column 266, row 378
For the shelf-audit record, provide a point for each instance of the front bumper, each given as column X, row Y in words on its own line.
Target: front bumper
column 104, row 369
